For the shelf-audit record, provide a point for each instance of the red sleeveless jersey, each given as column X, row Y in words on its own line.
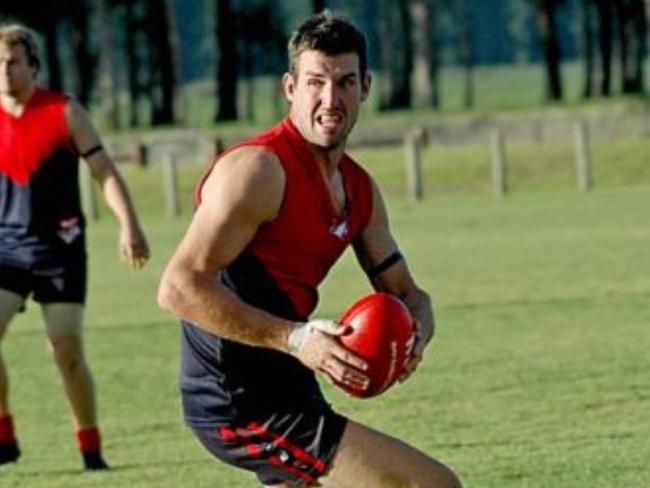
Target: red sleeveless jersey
column 39, row 188
column 308, row 236
column 279, row 271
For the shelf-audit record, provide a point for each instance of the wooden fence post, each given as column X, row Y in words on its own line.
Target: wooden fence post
column 413, row 146
column 88, row 192
column 170, row 184
column 583, row 157
column 143, row 155
column 499, row 164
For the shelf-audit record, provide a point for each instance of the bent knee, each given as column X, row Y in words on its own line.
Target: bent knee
column 370, row 458
column 449, row 479
column 437, row 475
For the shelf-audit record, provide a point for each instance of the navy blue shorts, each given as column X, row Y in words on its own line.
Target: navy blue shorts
column 290, row 446
column 63, row 281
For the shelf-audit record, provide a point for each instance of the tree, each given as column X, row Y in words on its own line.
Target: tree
column 589, row 54
column 54, row 78
column 518, row 15
column 547, row 25
column 107, row 84
column 263, row 48
column 647, row 24
column 80, row 14
column 598, row 38
column 424, row 70
column 397, row 55
column 162, row 38
column 133, row 25
column 227, row 73
column 465, row 50
column 632, row 29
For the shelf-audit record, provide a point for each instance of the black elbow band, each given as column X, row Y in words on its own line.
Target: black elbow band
column 91, row 151
column 384, row 265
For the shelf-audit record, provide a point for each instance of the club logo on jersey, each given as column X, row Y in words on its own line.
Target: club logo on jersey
column 69, row 229
column 58, row 283
column 340, row 230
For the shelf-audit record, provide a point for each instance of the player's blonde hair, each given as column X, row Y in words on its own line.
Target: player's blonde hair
column 19, row 35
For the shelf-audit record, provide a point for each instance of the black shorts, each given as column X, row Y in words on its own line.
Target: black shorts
column 289, row 446
column 63, row 281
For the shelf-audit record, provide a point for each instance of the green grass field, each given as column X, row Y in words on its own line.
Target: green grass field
column 539, row 372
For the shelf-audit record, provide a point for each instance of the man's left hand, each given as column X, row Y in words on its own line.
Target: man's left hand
column 423, row 334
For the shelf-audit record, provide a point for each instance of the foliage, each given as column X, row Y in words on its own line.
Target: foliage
column 147, row 90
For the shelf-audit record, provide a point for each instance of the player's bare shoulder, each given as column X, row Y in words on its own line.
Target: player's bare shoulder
column 75, row 115
column 81, row 129
column 250, row 176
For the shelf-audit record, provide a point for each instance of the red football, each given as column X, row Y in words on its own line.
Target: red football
column 383, row 335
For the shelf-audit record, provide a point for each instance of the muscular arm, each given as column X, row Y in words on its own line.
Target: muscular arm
column 133, row 244
column 375, row 244
column 244, row 190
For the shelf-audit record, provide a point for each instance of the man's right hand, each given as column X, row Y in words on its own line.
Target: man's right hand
column 134, row 248
column 314, row 344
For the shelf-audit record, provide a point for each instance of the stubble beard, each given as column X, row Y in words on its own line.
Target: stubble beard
column 332, row 142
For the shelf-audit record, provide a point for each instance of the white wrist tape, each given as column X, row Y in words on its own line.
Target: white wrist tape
column 301, row 330
column 297, row 336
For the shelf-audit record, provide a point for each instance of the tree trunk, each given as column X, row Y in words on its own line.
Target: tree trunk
column 396, row 55
column 227, row 74
column 132, row 62
column 85, row 61
column 465, row 49
column 422, row 52
column 605, row 40
column 647, row 25
column 55, row 81
column 551, row 49
column 588, row 37
column 632, row 30
column 248, row 62
column 406, row 26
column 388, row 54
column 163, row 33
column 107, row 89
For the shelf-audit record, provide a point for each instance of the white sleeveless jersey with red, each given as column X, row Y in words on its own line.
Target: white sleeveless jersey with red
column 279, row 271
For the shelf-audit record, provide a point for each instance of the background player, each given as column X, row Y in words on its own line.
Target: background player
column 42, row 241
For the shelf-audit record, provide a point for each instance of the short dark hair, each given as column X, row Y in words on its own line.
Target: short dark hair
column 331, row 34
column 17, row 34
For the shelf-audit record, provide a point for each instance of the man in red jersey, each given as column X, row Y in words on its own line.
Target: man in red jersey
column 274, row 214
column 42, row 241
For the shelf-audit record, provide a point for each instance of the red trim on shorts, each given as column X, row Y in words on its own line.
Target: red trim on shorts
column 245, row 435
column 284, row 443
column 226, row 433
column 276, row 461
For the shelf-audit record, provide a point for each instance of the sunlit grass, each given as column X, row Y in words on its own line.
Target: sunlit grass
column 538, row 376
